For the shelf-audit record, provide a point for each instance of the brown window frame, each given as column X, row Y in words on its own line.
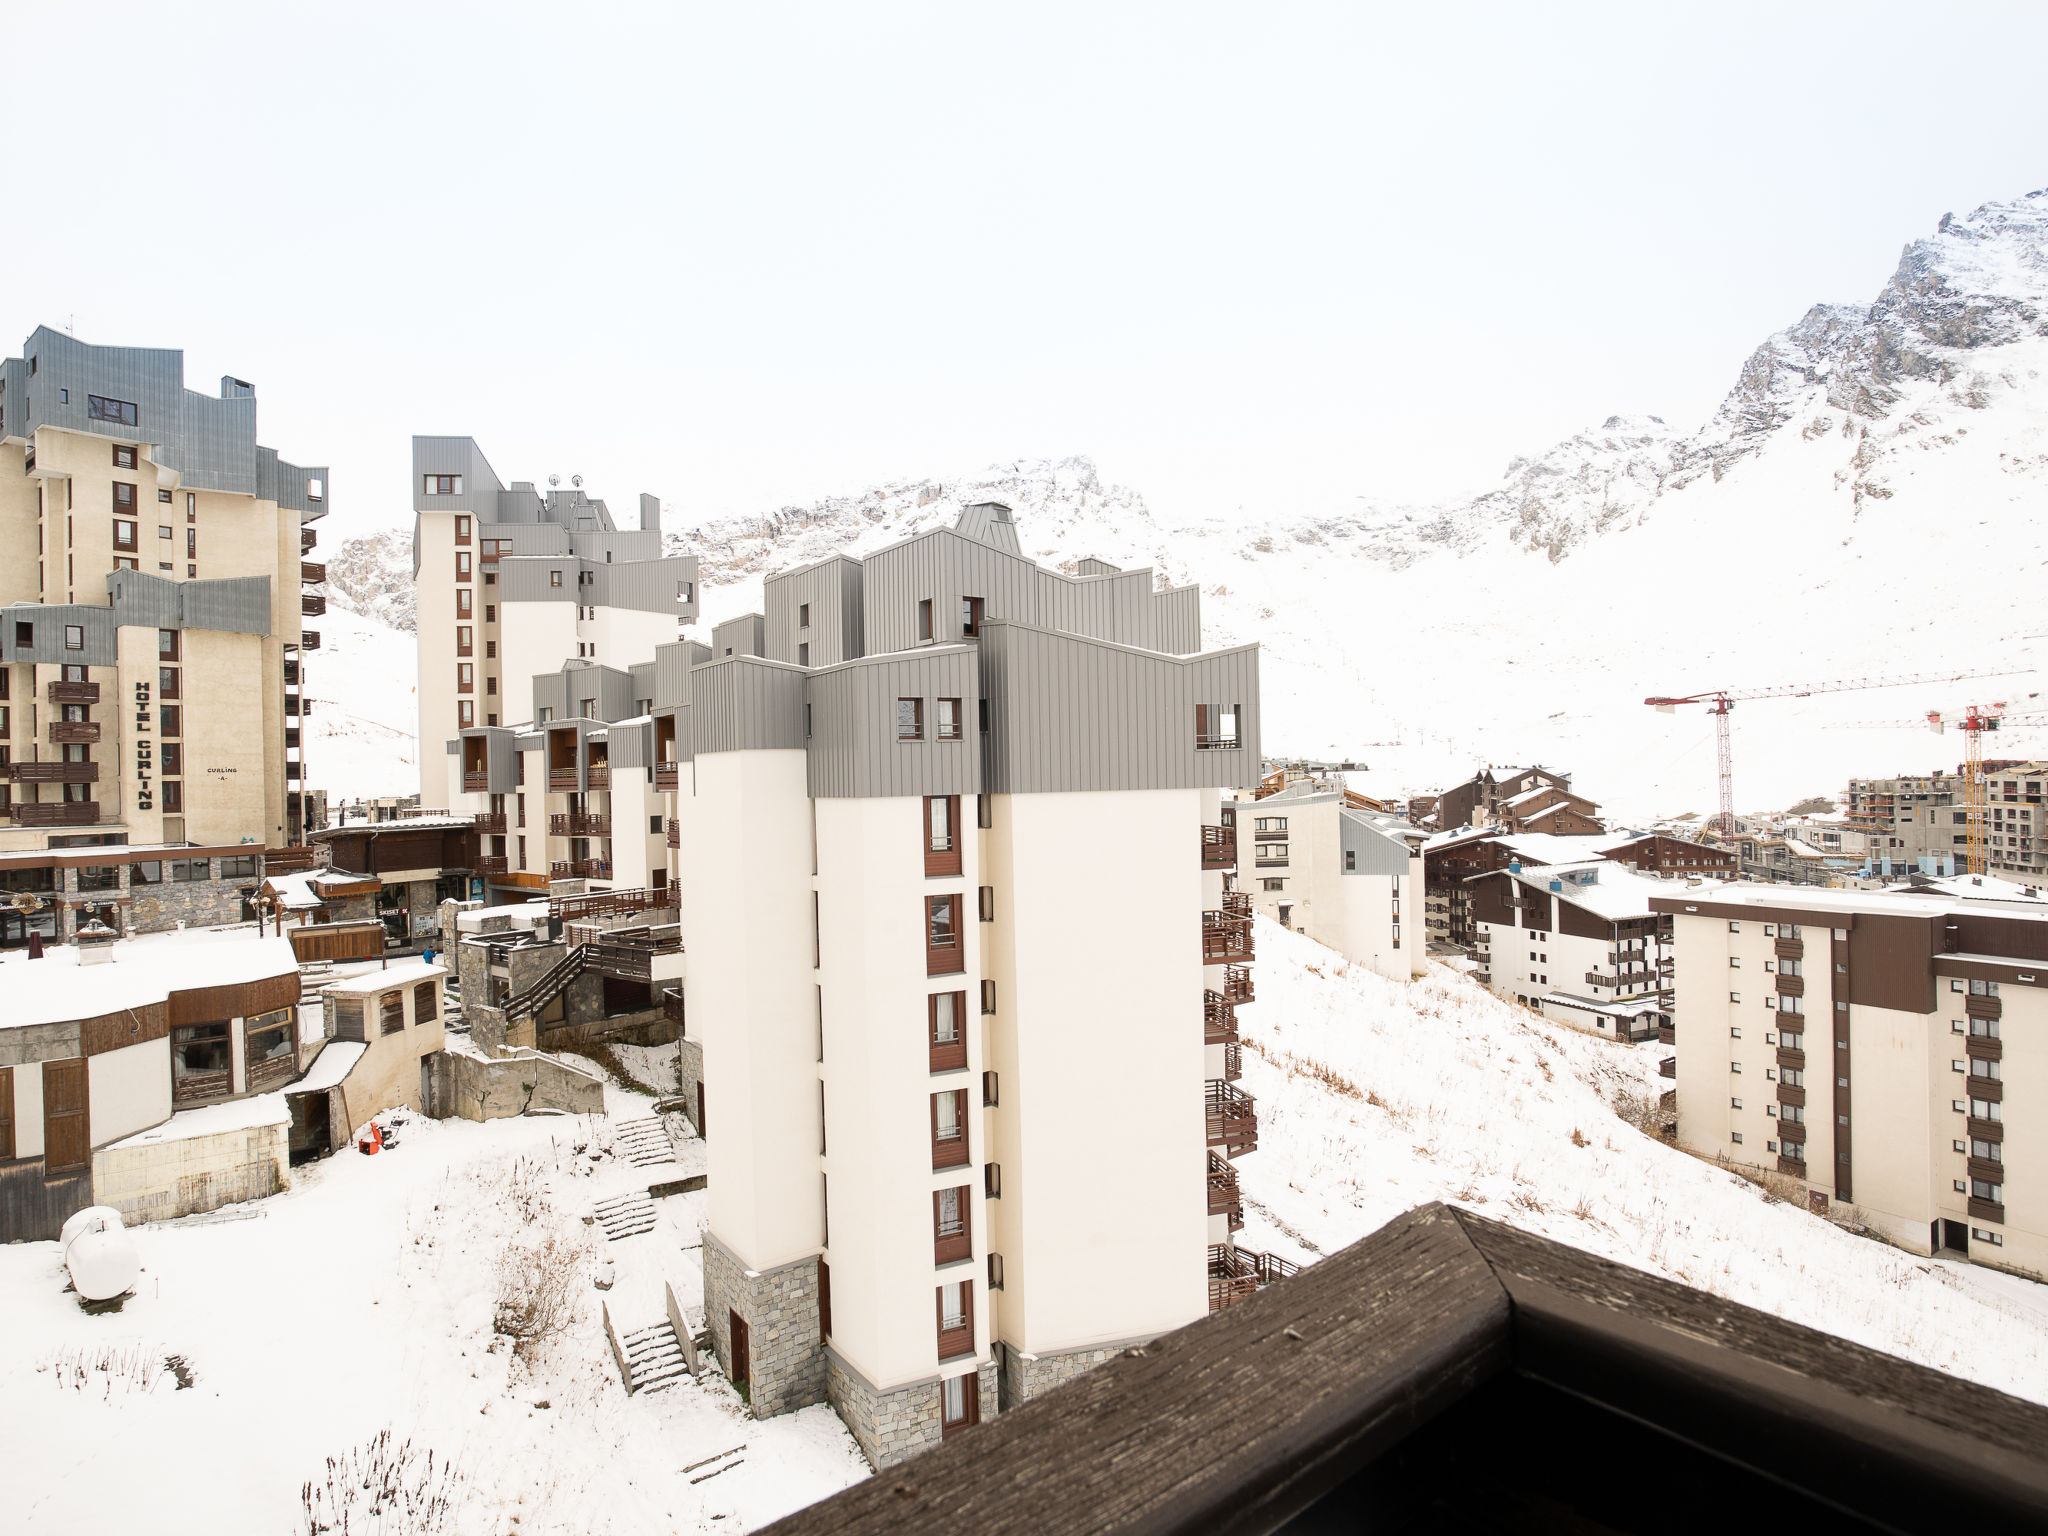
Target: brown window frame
column 167, row 646
column 971, row 614
column 952, row 1151
column 916, row 731
column 464, row 569
column 124, row 534
column 952, row 1247
column 924, row 618
column 941, row 731
column 944, row 958
column 124, row 456
column 465, row 677
column 170, row 720
column 970, row 1402
column 167, row 683
column 824, row 1300
column 465, row 640
column 955, row 1342
column 465, row 602
column 125, row 499
column 985, row 903
column 173, row 793
column 462, row 522
column 390, row 1005
column 942, row 861
column 946, row 1056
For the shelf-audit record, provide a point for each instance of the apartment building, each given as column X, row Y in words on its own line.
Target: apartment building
column 1450, row 859
column 1915, row 824
column 514, row 581
column 1344, row 875
column 1886, row 1049
column 1671, row 858
column 2015, row 822
column 1478, row 802
column 152, row 653
column 1549, row 808
column 948, row 847
column 1581, row 943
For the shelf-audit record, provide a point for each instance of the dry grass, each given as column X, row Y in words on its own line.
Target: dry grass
column 382, row 1489
column 537, row 1290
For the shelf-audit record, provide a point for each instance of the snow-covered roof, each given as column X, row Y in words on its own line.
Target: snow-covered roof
column 311, row 888
column 333, row 1063
column 1974, row 888
column 1532, row 847
column 1626, row 1008
column 372, row 982
column 143, row 971
column 212, row 1119
column 1615, row 891
column 1542, row 789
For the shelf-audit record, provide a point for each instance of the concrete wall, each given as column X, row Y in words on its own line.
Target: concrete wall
column 470, row 1088
column 162, row 1180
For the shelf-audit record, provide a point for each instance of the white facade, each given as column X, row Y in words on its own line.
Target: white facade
column 1347, row 877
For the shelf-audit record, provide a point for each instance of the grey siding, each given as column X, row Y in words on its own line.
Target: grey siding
column 1071, row 713
column 854, row 751
column 990, row 522
column 1178, row 620
column 632, row 744
column 550, row 697
column 454, row 456
column 672, row 665
column 642, row 674
column 501, row 755
column 831, row 588
column 1093, row 567
column 535, row 581
column 645, row 586
column 743, row 703
column 238, row 604
column 742, row 636
column 47, row 622
column 1375, row 852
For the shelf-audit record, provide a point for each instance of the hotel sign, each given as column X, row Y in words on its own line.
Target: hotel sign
column 145, row 752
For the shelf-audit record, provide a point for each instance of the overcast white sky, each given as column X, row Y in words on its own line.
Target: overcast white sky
column 1270, row 256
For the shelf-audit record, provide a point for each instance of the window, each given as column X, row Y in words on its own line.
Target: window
column 1215, row 727
column 170, row 759
column 74, row 637
column 554, row 578
column 1350, row 861
column 200, row 1058
column 465, row 713
column 124, row 456
column 163, row 531
column 949, row 1128
column 1736, row 1137
column 99, row 877
column 1271, row 853
column 944, row 953
column 951, row 1241
column 803, row 656
column 803, row 615
column 910, row 719
column 988, row 997
column 124, row 535
column 1984, row 1029
column 268, row 1043
column 989, row 1086
column 465, row 677
column 168, row 721
column 465, row 599
column 948, row 1022
column 174, row 795
column 461, row 537
column 941, row 842
column 924, row 619
column 987, row 898
column 167, row 682
column 1735, row 962
column 463, row 569
column 190, row 870
column 465, row 643
column 443, row 485
column 1272, row 885
column 948, row 724
column 956, row 1318
column 1987, row 1109
column 149, row 873
column 992, row 1181
column 121, row 412
column 959, row 1404
column 1984, row 1189
column 970, row 615
column 391, row 1013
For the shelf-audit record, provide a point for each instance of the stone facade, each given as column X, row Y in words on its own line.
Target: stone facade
column 780, row 1309
column 1025, row 1376
column 154, row 907
column 895, row 1425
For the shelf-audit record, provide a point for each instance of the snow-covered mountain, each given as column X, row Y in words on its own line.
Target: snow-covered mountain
column 1867, row 499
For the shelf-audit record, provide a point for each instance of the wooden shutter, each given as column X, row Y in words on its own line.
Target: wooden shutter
column 1201, row 723
column 742, row 1350
column 6, row 1112
column 67, row 1127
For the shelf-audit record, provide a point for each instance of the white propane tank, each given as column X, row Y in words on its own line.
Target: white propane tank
column 100, row 1254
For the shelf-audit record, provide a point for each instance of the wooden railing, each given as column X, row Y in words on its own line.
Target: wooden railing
column 475, row 783
column 672, row 1008
column 490, row 864
column 580, row 824
column 1233, row 1061
column 491, row 821
column 550, row 986
column 561, row 781
column 74, row 693
column 309, row 639
column 610, row 903
column 1233, row 1276
column 561, row 869
column 675, row 833
column 1225, row 1198
column 599, row 775
column 594, row 869
column 1668, row 1067
column 667, row 775
column 64, row 813
column 1219, row 1019
column 54, row 773
column 1225, row 937
column 62, row 731
column 1233, row 1121
column 1237, row 984
column 1238, row 903
column 312, row 604
column 312, row 571
column 1219, row 847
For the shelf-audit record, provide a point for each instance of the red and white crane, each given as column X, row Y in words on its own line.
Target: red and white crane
column 1721, row 704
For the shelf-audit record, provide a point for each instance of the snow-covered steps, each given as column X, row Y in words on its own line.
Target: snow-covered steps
column 652, row 1357
column 643, row 1142
column 626, row 1215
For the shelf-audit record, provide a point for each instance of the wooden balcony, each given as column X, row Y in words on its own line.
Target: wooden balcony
column 491, row 821
column 674, row 829
column 54, row 773
column 1791, row 949
column 490, row 864
column 1667, row 1034
column 561, row 869
column 312, row 571
column 1233, row 1121
column 1792, row 1094
column 312, row 604
column 1225, row 1198
column 1237, row 985
column 1982, row 1007
column 599, row 775
column 64, row 731
column 1791, row 986
column 1225, row 938
column 672, row 1007
column 1233, row 1061
column 73, row 693
column 1987, row 1210
column 594, row 869
column 668, row 775
column 1233, row 1276
column 308, row 537
column 1668, row 1067
column 562, row 781
column 1984, row 1048
column 1219, row 1019
column 580, row 824
column 309, row 639
column 1237, row 903
column 1219, row 847
column 66, row 813
column 1986, row 1130
column 1795, row 1060
column 1796, row 1166
column 475, row 783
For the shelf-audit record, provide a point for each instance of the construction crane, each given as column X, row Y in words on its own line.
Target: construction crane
column 1721, row 704
column 1973, row 720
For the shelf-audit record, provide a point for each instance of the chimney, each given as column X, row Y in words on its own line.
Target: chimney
column 96, row 943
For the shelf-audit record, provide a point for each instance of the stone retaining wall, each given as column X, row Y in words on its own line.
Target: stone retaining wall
column 780, row 1309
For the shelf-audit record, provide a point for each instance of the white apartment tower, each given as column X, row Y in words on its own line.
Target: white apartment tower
column 963, row 972
column 513, row 582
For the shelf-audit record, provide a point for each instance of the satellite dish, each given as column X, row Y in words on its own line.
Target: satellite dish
column 577, row 481
column 554, row 479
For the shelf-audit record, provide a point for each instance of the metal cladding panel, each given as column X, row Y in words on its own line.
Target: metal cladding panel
column 742, row 636
column 1094, row 567
column 989, row 522
column 1067, row 712
column 237, row 603
column 550, row 696
column 650, row 516
column 1177, row 620
column 535, row 581
column 945, row 568
column 642, row 674
column 826, row 587
column 47, row 623
column 644, row 586
column 1377, row 853
column 743, row 703
column 854, row 751
column 616, row 699
column 501, row 759
column 529, row 538
column 520, row 503
column 684, row 749
column 672, row 663
column 622, row 546
column 632, row 746
column 454, row 456
column 1115, row 608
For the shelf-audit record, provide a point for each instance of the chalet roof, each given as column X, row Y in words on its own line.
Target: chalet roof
column 144, row 970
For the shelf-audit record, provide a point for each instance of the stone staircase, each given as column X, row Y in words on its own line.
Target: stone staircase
column 653, row 1358
column 643, row 1142
column 626, row 1215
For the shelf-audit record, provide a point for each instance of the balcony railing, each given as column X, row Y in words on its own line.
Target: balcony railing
column 561, row 869
column 1982, row 1007
column 1233, row 1276
column 594, row 869
column 674, row 830
column 312, row 571
column 668, row 775
column 1225, row 937
column 74, row 693
column 1219, row 847
column 1237, row 984
column 1668, row 1067
column 74, row 730
column 308, row 537
column 55, row 773
column 1238, row 903
column 475, row 783
column 312, row 604
column 66, row 813
column 672, row 1007
column 1233, row 1121
column 562, row 781
column 1233, row 1061
column 309, row 639
column 490, row 864
column 600, row 775
column 1225, row 1198
column 1219, row 1019
column 491, row 821
column 580, row 824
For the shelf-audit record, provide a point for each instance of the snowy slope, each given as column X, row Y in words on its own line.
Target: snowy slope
column 1374, row 1098
column 363, row 683
column 1871, row 497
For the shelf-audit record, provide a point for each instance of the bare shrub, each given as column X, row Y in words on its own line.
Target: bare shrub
column 1641, row 1110
column 115, row 1371
column 1578, row 1137
column 1524, row 1199
column 383, row 1489
column 536, row 1291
